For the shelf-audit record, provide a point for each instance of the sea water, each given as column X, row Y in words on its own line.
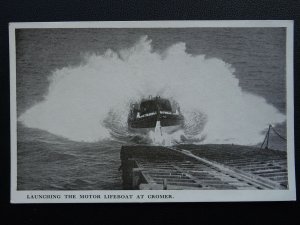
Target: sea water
column 74, row 88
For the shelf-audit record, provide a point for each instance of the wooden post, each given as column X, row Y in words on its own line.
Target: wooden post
column 165, row 185
column 267, row 146
column 136, row 178
column 127, row 167
column 266, row 139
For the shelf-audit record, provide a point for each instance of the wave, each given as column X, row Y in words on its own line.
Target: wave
column 90, row 102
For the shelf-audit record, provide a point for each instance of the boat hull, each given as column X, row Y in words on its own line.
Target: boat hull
column 168, row 123
column 168, row 129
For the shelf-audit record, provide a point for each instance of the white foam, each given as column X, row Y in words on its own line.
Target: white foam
column 79, row 98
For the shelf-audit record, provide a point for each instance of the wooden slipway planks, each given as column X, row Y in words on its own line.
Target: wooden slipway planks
column 206, row 167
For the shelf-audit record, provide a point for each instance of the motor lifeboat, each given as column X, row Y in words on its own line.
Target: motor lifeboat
column 153, row 112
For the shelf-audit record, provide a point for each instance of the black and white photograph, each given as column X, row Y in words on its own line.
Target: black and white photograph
column 156, row 111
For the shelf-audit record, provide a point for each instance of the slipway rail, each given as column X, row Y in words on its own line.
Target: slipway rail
column 206, row 167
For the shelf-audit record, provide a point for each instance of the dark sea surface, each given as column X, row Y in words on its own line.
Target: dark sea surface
column 50, row 162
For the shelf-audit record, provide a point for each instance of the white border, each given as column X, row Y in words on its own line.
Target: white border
column 181, row 195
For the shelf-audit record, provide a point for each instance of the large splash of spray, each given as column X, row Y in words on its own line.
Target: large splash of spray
column 89, row 101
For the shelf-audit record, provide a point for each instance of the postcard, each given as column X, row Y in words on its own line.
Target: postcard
column 152, row 111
